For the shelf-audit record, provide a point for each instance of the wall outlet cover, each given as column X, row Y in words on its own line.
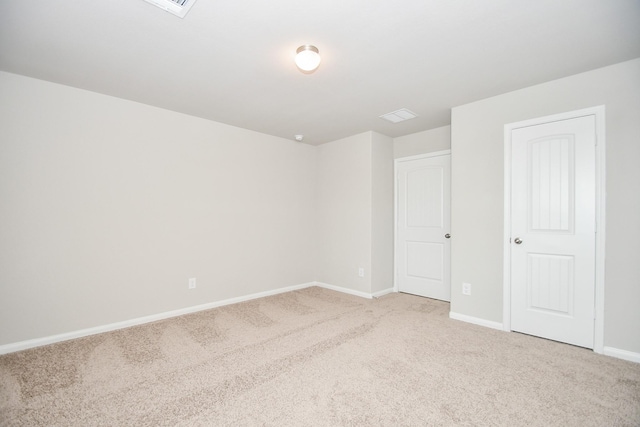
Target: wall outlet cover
column 466, row 289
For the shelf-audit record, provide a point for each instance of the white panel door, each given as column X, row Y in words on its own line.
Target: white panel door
column 422, row 239
column 553, row 230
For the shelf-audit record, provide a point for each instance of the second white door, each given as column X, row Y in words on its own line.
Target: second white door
column 553, row 230
column 423, row 253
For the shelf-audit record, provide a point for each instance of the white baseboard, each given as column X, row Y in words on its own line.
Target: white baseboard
column 356, row 293
column 344, row 290
column 383, row 293
column 38, row 342
column 24, row 345
column 476, row 321
column 622, row 354
column 608, row 351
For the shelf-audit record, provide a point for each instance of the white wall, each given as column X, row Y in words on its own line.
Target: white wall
column 428, row 141
column 355, row 213
column 107, row 207
column 382, row 213
column 344, row 212
column 477, row 189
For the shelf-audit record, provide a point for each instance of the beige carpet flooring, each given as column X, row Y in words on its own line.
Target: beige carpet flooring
column 315, row 357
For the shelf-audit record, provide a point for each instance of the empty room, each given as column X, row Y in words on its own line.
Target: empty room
column 296, row 213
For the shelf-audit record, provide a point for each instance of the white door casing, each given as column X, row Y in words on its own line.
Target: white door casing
column 552, row 269
column 423, row 252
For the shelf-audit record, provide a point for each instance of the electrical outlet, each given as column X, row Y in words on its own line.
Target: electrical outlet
column 360, row 272
column 466, row 289
column 192, row 283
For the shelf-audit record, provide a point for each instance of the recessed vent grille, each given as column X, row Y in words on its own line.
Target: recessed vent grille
column 176, row 7
column 399, row 115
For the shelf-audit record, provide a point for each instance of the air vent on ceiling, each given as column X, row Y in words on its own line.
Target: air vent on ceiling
column 176, row 7
column 399, row 115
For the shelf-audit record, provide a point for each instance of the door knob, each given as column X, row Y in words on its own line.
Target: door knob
column 446, row 236
column 517, row 240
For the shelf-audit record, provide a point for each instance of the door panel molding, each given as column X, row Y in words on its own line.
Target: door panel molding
column 599, row 113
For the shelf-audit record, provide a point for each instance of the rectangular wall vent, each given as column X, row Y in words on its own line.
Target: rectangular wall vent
column 176, row 7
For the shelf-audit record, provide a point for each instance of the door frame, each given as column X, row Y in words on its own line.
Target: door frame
column 396, row 163
column 599, row 113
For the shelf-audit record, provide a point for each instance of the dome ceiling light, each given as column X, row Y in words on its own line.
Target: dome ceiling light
column 307, row 58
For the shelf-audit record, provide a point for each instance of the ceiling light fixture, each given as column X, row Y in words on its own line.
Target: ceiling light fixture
column 307, row 58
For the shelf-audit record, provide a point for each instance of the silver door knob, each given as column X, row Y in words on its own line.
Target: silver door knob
column 446, row 236
column 517, row 241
